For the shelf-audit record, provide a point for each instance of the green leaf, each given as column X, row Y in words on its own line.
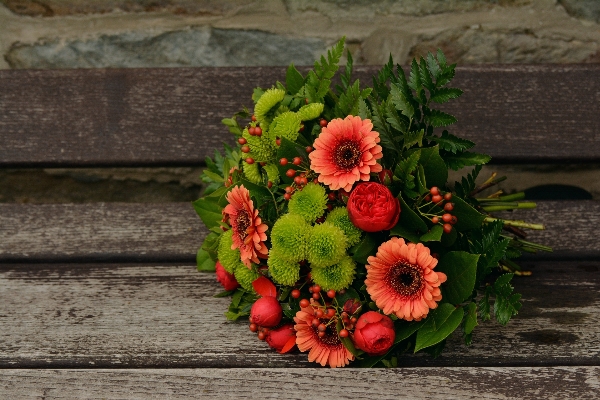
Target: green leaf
column 412, row 138
column 208, row 211
column 437, row 118
column 490, row 259
column 366, row 247
column 470, row 321
column 464, row 159
column 293, row 80
column 363, row 109
column 442, row 95
column 436, row 171
column 425, row 77
column 405, row 169
column 401, row 102
column 467, row 184
column 410, row 226
column 468, row 217
column 451, row 143
column 433, row 66
column 434, row 235
column 484, row 304
column 213, row 176
column 204, row 262
column 414, row 79
column 440, row 323
column 461, row 268
column 506, row 307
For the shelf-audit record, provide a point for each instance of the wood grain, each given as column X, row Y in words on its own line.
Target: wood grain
column 160, row 316
column 246, row 383
column 124, row 117
column 123, row 232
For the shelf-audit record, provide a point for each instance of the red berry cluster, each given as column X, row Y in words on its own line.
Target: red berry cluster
column 444, row 201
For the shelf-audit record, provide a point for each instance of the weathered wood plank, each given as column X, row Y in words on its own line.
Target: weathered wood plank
column 106, row 316
column 173, row 232
column 269, row 383
column 172, row 116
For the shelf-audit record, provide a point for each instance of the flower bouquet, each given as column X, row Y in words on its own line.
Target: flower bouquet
column 332, row 225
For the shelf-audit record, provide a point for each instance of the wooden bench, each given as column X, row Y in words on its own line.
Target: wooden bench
column 103, row 300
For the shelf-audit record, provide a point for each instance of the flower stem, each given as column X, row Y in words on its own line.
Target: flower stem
column 518, row 224
column 509, row 206
column 510, row 197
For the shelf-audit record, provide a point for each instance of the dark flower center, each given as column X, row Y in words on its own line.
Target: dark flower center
column 347, row 155
column 331, row 337
column 242, row 222
column 406, row 279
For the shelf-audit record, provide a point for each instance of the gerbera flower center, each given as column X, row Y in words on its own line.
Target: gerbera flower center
column 406, row 279
column 242, row 222
column 347, row 155
column 331, row 337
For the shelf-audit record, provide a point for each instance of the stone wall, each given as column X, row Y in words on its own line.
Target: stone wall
column 171, row 33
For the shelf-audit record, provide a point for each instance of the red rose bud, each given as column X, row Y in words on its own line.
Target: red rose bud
column 373, row 208
column 282, row 338
column 226, row 279
column 266, row 311
column 351, row 305
column 374, row 333
column 385, row 177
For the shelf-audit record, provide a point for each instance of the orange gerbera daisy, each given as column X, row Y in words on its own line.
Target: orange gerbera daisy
column 401, row 280
column 248, row 230
column 328, row 349
column 345, row 152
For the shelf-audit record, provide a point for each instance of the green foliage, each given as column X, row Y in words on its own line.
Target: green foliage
column 468, row 217
column 467, row 184
column 440, row 323
column 469, row 322
column 410, row 226
column 506, row 303
column 487, row 242
column 461, row 268
column 348, row 101
column 241, row 303
column 404, row 173
column 451, row 143
column 318, row 80
column 464, row 159
column 293, row 80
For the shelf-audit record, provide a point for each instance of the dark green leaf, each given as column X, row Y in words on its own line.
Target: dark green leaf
column 366, row 247
column 208, row 211
column 470, row 321
column 433, row 66
column 465, row 158
column 440, row 323
column 442, row 95
column 461, row 268
column 405, row 169
column 425, row 77
column 225, row 293
column 437, row 118
column 401, row 102
column 294, row 80
column 468, row 217
column 414, row 80
column 484, row 304
column 436, row 350
column 410, row 226
column 451, row 143
column 436, row 172
column 204, row 262
column 434, row 235
column 412, row 138
column 467, row 184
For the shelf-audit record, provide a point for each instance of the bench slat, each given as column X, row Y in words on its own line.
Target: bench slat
column 173, row 232
column 124, row 117
column 246, row 383
column 107, row 316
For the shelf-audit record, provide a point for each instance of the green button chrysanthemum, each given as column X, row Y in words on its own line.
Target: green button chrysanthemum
column 288, row 237
column 252, row 172
column 262, row 148
column 337, row 276
column 265, row 104
column 339, row 217
column 272, row 173
column 282, row 271
column 310, row 111
column 326, row 245
column 310, row 202
column 245, row 276
column 229, row 258
column 286, row 125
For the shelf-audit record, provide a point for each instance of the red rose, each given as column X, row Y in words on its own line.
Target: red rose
column 280, row 337
column 266, row 311
column 372, row 208
column 374, row 333
column 226, row 279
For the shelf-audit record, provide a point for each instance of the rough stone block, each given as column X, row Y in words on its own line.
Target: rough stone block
column 194, row 47
column 588, row 9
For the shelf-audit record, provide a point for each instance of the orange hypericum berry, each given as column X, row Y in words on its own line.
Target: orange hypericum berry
column 435, row 220
column 434, row 191
column 290, row 173
column 323, row 123
column 242, row 140
column 245, row 149
column 448, row 196
column 304, row 303
column 287, row 196
column 436, row 198
column 309, row 149
column 252, row 130
column 297, row 161
column 447, row 228
column 295, row 294
column 344, row 333
column 250, row 160
column 253, row 117
column 331, row 293
column 253, row 327
column 447, row 217
column 448, row 207
column 283, row 161
column 257, row 131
